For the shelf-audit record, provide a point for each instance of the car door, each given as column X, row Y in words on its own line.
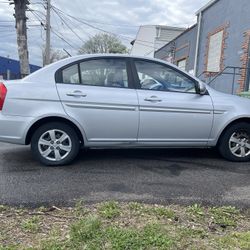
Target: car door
column 171, row 110
column 98, row 93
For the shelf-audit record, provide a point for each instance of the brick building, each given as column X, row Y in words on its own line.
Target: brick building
column 217, row 47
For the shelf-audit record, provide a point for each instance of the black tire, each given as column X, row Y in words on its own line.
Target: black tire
column 72, row 139
column 224, row 142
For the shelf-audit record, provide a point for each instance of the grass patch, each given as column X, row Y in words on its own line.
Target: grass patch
column 152, row 236
column 86, row 231
column 235, row 241
column 80, row 209
column 109, row 210
column 3, row 208
column 118, row 226
column 156, row 210
column 196, row 210
column 31, row 224
column 225, row 216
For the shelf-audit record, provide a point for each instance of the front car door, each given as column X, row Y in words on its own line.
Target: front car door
column 172, row 113
column 98, row 93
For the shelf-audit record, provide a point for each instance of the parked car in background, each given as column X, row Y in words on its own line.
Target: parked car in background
column 119, row 101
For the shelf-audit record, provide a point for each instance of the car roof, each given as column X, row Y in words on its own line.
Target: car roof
column 47, row 73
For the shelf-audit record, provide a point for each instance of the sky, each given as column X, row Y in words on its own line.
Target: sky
column 73, row 22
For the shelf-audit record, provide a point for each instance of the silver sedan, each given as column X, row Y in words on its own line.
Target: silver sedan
column 119, row 101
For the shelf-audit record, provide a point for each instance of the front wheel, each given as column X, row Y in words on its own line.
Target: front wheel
column 234, row 144
column 55, row 144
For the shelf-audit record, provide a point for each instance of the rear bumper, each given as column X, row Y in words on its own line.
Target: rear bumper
column 13, row 129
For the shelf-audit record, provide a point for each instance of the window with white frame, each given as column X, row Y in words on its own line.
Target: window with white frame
column 215, row 52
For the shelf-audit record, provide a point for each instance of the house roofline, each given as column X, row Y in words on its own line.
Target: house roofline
column 162, row 26
column 185, row 31
column 170, row 27
column 209, row 4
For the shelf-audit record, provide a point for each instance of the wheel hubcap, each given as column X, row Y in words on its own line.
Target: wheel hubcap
column 239, row 144
column 54, row 145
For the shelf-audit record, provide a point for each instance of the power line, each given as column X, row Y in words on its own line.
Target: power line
column 58, row 14
column 57, row 34
column 81, row 20
column 140, row 42
column 33, row 12
column 105, row 31
column 70, row 21
column 72, row 46
column 40, row 12
column 108, row 24
column 63, row 15
column 13, row 21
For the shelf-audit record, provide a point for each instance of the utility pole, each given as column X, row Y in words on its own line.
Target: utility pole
column 21, row 30
column 47, row 27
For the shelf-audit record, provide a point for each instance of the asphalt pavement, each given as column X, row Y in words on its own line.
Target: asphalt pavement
column 180, row 176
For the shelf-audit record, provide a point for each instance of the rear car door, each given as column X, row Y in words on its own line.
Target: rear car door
column 171, row 111
column 98, row 93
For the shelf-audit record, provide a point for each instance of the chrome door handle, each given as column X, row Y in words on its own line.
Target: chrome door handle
column 152, row 99
column 76, row 94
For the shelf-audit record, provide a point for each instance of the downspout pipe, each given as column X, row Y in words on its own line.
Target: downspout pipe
column 197, row 44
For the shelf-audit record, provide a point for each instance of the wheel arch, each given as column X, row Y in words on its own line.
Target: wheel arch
column 45, row 120
column 238, row 120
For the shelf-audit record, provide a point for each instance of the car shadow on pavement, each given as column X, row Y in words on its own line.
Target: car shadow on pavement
column 172, row 161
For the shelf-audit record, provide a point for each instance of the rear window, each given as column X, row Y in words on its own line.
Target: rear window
column 71, row 75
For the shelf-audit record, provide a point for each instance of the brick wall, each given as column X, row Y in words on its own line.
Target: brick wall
column 244, row 60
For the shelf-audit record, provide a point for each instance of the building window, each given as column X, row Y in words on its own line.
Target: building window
column 182, row 64
column 215, row 52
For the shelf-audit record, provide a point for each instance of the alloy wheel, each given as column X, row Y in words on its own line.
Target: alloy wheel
column 239, row 144
column 54, row 145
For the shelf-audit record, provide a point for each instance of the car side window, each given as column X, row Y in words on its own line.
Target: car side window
column 104, row 72
column 97, row 72
column 71, row 75
column 155, row 76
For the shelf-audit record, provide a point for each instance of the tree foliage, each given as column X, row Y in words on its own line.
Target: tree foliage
column 55, row 55
column 103, row 43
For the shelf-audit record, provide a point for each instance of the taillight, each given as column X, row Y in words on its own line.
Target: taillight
column 3, row 92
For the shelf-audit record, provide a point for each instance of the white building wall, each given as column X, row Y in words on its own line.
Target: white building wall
column 152, row 37
column 145, row 41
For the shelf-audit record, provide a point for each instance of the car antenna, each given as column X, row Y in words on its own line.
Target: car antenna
column 67, row 52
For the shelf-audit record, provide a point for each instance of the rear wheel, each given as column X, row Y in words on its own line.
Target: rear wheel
column 234, row 144
column 55, row 144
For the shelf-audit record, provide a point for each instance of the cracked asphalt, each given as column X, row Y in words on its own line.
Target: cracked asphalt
column 180, row 176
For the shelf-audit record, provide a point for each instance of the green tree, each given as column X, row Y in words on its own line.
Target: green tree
column 103, row 43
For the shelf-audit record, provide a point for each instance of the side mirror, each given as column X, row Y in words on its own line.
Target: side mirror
column 202, row 90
